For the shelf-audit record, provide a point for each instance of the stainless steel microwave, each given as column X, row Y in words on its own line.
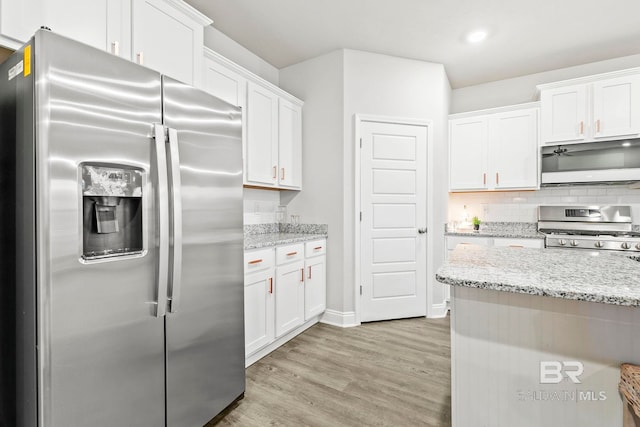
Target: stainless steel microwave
column 606, row 162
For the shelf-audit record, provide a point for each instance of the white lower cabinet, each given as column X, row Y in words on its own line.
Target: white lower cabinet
column 289, row 297
column 285, row 292
column 315, row 287
column 259, row 326
column 259, row 307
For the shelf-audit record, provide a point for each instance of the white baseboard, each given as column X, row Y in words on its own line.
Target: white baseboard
column 438, row 310
column 345, row 319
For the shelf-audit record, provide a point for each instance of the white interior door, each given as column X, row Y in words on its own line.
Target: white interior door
column 394, row 215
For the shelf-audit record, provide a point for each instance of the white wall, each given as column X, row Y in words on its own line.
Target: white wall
column 522, row 89
column 232, row 50
column 319, row 82
column 335, row 87
column 382, row 85
column 514, row 206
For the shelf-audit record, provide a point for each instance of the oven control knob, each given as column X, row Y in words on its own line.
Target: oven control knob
column 625, row 245
column 562, row 242
column 573, row 243
column 638, row 246
column 599, row 244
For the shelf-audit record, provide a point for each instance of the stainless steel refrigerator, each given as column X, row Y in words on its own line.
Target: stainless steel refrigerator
column 121, row 245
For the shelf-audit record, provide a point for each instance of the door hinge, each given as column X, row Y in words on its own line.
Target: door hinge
column 360, row 216
column 360, row 289
column 360, row 142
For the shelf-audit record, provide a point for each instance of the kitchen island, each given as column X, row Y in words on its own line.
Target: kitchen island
column 538, row 335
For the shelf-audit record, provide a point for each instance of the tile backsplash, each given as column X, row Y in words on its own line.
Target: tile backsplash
column 521, row 206
column 260, row 206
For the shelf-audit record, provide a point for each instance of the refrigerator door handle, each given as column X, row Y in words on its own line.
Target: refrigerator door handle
column 176, row 214
column 163, row 219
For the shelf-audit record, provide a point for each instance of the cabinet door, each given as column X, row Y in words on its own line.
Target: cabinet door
column 90, row 29
column 19, row 19
column 289, row 291
column 290, row 144
column 315, row 287
column 513, row 150
column 262, row 136
column 564, row 114
column 166, row 40
column 467, row 154
column 616, row 107
column 224, row 83
column 258, row 311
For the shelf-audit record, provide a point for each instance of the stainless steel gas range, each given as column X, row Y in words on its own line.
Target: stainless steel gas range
column 601, row 228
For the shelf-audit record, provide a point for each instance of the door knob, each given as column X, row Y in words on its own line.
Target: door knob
column 422, row 230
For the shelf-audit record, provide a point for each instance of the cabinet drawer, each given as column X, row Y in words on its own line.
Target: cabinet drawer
column 518, row 243
column 315, row 248
column 453, row 241
column 289, row 253
column 258, row 260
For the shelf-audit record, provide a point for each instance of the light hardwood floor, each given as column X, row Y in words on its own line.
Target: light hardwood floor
column 393, row 373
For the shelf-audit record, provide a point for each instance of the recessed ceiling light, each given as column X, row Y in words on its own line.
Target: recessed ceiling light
column 476, row 36
column 626, row 144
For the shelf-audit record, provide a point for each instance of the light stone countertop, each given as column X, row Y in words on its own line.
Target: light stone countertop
column 257, row 241
column 569, row 274
column 514, row 230
column 514, row 234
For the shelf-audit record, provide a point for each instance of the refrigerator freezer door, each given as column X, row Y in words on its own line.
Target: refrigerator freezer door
column 205, row 330
column 102, row 348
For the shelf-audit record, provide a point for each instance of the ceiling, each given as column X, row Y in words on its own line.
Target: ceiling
column 525, row 36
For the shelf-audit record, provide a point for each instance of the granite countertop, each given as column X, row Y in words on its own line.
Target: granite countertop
column 577, row 275
column 256, row 241
column 514, row 234
column 258, row 236
column 514, row 230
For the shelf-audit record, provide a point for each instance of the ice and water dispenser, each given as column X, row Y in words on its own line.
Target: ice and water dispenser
column 112, row 210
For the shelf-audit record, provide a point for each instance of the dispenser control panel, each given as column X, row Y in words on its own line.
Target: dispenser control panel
column 111, row 181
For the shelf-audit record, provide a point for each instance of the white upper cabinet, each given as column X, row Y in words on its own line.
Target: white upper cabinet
column 494, row 150
column 167, row 36
column 274, row 139
column 99, row 23
column 262, row 136
column 289, row 144
column 616, row 107
column 513, row 149
column 591, row 109
column 467, row 153
column 564, row 114
column 223, row 82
